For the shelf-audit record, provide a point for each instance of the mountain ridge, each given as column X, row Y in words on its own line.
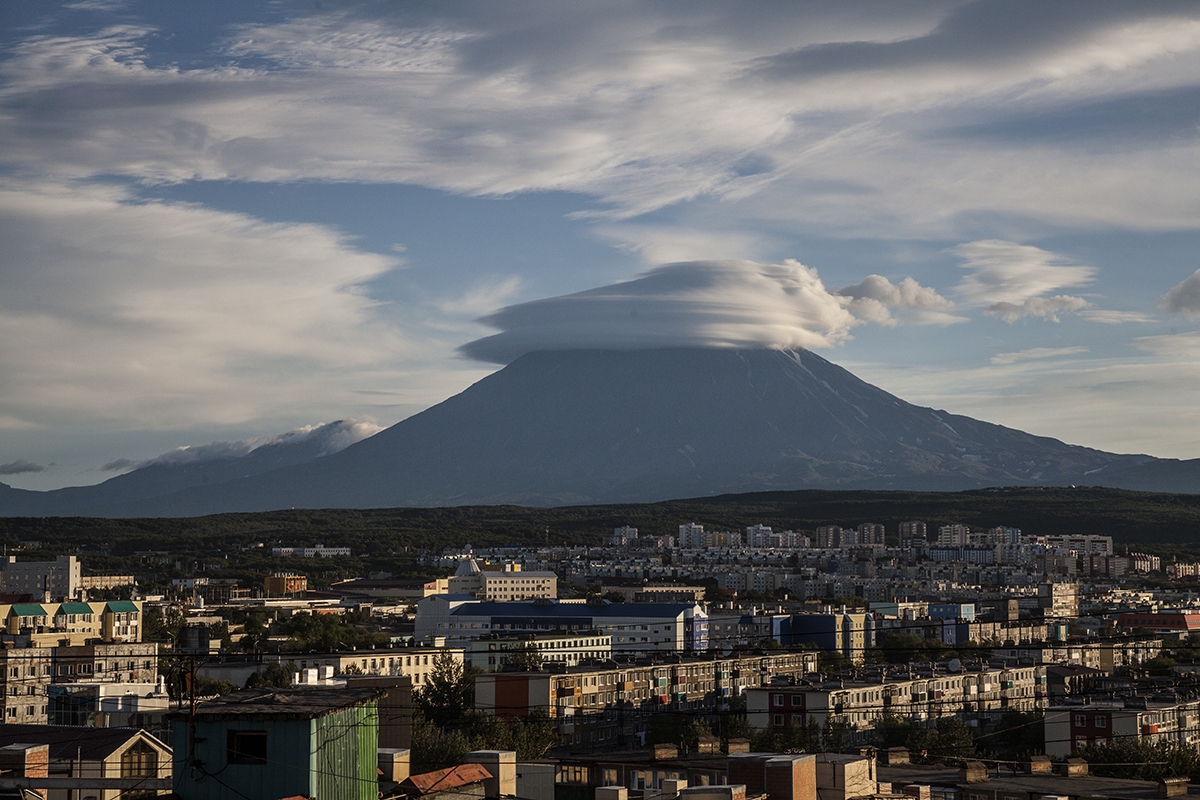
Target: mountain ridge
column 602, row 426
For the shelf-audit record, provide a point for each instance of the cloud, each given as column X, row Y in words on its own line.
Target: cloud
column 1172, row 345
column 1010, row 279
column 484, row 296
column 21, row 467
column 1184, row 298
column 874, row 298
column 1107, row 317
column 322, row 439
column 167, row 315
column 1036, row 354
column 689, row 304
column 845, row 118
column 1048, row 308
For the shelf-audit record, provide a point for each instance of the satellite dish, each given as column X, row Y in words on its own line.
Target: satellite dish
column 955, row 665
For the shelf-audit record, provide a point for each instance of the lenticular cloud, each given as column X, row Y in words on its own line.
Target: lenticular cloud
column 739, row 304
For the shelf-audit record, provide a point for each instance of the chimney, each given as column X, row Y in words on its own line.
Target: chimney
column 26, row 761
column 503, row 766
column 394, row 763
column 1172, row 787
column 973, row 772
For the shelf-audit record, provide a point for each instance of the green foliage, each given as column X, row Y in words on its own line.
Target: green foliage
column 448, row 696
column 391, row 536
column 1138, row 759
column 1159, row 665
column 830, row 661
column 901, row 648
column 307, row 633
column 525, row 658
column 274, row 674
column 950, row 739
column 210, row 687
column 1017, row 735
column 681, row 730
column 157, row 628
column 796, row 738
column 436, row 747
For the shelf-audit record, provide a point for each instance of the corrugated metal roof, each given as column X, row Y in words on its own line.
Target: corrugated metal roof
column 448, row 778
column 294, row 703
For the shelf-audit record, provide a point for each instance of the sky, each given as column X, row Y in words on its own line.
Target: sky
column 226, row 222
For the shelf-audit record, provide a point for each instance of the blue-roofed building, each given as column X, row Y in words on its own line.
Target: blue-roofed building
column 634, row 627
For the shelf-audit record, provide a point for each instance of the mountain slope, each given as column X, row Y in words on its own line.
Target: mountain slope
column 605, row 426
column 217, row 463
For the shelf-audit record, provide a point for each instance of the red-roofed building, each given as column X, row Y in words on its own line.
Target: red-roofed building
column 1165, row 621
column 465, row 780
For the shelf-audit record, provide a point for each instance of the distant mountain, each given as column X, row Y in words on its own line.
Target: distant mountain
column 216, row 463
column 579, row 427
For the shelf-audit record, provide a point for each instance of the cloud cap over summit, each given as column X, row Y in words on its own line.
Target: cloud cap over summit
column 740, row 304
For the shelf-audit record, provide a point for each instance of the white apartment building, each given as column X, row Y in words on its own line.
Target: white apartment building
column 510, row 585
column 490, row 653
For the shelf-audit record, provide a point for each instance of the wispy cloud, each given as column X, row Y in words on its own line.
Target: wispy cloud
column 866, row 121
column 1036, row 354
column 1010, row 280
column 483, row 297
column 1108, row 317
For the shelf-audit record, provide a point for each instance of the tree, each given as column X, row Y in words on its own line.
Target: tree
column 525, row 658
column 449, row 693
column 275, row 674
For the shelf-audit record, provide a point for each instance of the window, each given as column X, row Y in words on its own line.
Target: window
column 246, row 747
column 1080, row 720
column 1101, row 721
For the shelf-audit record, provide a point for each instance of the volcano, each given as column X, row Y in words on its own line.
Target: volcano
column 596, row 426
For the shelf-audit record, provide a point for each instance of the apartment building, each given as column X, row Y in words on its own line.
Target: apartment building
column 491, row 652
column 49, row 624
column 25, row 675
column 51, row 581
column 596, row 707
column 1070, row 727
column 925, row 698
column 635, row 628
column 415, row 663
column 510, row 585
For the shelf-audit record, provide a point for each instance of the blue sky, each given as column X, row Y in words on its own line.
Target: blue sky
column 231, row 220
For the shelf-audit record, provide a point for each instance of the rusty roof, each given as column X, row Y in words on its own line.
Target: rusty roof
column 449, row 778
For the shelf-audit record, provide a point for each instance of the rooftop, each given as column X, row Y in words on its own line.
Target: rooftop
column 70, row 741
column 271, row 703
column 1034, row 785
